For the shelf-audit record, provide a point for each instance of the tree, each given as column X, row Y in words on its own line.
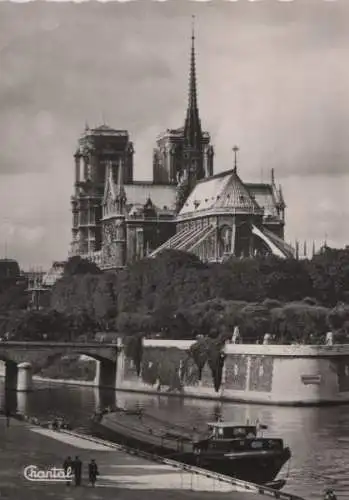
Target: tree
column 255, row 322
column 134, row 323
column 338, row 321
column 210, row 351
column 299, row 322
column 285, row 279
column 181, row 297
column 77, row 265
column 134, row 350
column 329, row 272
column 37, row 325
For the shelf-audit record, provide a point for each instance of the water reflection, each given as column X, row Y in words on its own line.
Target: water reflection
column 318, row 437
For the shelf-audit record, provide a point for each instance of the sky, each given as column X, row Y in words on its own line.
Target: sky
column 273, row 78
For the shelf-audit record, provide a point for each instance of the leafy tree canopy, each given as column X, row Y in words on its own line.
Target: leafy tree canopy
column 77, row 265
column 176, row 295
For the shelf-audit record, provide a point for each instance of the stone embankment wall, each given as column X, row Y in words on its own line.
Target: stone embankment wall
column 275, row 374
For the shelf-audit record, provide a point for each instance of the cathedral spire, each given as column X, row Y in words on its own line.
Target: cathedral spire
column 192, row 126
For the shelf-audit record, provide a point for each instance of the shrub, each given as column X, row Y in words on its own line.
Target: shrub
column 255, row 321
column 209, row 350
column 338, row 321
column 298, row 322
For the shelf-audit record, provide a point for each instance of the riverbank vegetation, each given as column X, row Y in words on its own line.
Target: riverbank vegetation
column 177, row 296
column 69, row 368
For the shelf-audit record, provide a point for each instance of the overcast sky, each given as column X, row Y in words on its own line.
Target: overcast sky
column 273, row 78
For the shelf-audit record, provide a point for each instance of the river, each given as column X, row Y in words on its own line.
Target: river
column 318, row 437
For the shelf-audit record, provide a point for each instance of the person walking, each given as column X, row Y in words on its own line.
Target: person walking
column 329, row 495
column 68, row 468
column 8, row 416
column 77, row 469
column 93, row 472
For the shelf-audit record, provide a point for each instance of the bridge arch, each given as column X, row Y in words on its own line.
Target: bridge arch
column 105, row 372
column 41, row 354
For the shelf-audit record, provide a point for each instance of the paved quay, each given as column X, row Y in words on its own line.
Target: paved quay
column 121, row 475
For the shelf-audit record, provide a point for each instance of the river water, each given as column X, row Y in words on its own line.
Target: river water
column 318, row 437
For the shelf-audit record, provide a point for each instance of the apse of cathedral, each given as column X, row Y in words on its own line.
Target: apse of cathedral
column 117, row 220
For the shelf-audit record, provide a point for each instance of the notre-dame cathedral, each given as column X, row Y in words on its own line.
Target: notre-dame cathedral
column 117, row 220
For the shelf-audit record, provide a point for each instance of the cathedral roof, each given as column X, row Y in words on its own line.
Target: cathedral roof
column 161, row 196
column 264, row 196
column 105, row 130
column 221, row 191
column 103, row 127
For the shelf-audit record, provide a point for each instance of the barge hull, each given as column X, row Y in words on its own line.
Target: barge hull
column 258, row 469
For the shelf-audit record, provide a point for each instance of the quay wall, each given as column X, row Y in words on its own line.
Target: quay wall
column 273, row 374
column 270, row 374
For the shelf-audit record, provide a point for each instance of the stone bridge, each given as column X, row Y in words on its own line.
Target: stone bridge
column 21, row 357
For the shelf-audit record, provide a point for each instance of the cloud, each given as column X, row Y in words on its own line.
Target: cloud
column 319, row 208
column 273, row 78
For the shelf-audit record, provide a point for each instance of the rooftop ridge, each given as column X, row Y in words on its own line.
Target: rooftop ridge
column 216, row 176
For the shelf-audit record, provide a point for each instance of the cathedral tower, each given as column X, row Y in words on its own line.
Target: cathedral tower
column 184, row 156
column 96, row 149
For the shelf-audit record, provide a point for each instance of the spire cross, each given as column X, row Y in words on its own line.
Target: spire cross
column 193, row 27
column 235, row 149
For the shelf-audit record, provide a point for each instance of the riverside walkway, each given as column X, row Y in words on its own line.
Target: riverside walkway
column 122, row 475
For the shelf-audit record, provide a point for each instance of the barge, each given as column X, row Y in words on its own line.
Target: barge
column 228, row 448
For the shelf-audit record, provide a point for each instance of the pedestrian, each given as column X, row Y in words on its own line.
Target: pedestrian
column 68, row 468
column 8, row 416
column 77, row 469
column 329, row 495
column 92, row 472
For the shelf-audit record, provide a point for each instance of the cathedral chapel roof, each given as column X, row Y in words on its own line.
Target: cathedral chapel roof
column 264, row 195
column 162, row 196
column 222, row 191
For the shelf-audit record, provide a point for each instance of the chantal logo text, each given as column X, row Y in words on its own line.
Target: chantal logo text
column 53, row 474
